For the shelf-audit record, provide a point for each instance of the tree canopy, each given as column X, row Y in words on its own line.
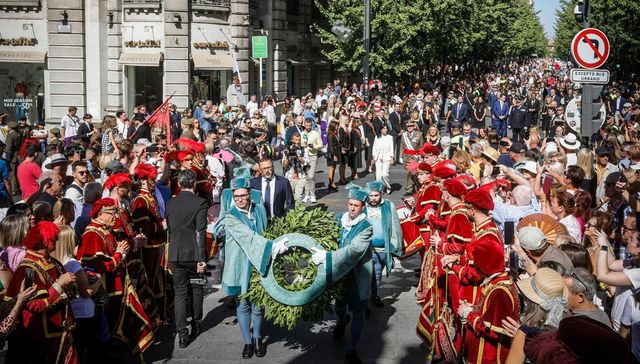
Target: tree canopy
column 411, row 35
column 618, row 19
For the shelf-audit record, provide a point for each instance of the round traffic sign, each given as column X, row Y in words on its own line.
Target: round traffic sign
column 590, row 48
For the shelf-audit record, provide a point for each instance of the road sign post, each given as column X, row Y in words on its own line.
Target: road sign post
column 580, row 75
column 259, row 50
column 590, row 48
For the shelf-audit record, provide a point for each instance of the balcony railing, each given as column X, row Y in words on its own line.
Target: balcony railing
column 211, row 5
column 26, row 5
column 141, row 4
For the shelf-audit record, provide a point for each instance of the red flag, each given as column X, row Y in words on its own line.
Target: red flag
column 161, row 115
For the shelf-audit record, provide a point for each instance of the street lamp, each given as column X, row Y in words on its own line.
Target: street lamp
column 367, row 36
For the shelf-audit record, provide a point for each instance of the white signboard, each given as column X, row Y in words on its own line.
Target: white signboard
column 581, row 75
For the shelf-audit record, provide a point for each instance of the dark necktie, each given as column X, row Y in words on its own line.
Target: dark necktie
column 267, row 197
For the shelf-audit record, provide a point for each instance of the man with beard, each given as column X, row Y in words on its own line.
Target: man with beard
column 387, row 236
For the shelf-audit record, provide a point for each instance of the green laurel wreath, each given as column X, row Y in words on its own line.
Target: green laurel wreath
column 294, row 270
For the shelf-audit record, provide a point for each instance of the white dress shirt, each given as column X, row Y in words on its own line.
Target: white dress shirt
column 272, row 185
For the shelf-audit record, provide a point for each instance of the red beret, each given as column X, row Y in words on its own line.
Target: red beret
column 429, row 149
column 146, row 171
column 415, row 167
column 454, row 187
column 442, row 171
column 480, row 199
column 488, row 256
column 42, row 235
column 467, row 180
column 106, row 203
column 183, row 143
column 183, row 155
column 119, row 179
column 197, row 147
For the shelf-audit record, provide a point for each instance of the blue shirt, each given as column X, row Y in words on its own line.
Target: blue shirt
column 503, row 212
column 204, row 123
column 4, row 172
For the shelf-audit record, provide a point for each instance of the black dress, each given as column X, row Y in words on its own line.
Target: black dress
column 333, row 150
column 479, row 109
column 355, row 160
column 344, row 143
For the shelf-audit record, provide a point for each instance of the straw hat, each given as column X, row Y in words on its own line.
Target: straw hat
column 544, row 285
column 491, row 153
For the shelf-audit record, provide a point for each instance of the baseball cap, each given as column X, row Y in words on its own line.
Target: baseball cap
column 602, row 151
column 531, row 238
column 518, row 147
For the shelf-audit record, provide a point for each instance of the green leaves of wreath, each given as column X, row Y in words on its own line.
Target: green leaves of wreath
column 294, row 270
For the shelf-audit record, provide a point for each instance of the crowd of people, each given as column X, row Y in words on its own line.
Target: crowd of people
column 526, row 230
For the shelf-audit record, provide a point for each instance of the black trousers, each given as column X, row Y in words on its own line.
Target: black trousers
column 188, row 297
column 518, row 134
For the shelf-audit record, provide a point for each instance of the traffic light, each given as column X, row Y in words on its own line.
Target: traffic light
column 581, row 12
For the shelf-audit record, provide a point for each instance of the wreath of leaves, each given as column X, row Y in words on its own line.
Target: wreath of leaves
column 294, row 270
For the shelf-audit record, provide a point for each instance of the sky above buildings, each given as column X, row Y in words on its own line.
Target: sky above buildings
column 547, row 9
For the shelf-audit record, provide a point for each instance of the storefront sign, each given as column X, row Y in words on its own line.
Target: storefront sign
column 140, row 59
column 212, row 62
column 22, row 41
column 24, row 103
column 142, row 43
column 24, row 57
column 211, row 45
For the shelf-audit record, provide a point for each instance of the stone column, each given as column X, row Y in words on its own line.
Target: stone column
column 239, row 20
column 96, row 56
column 115, row 77
column 304, row 47
column 279, row 42
column 176, row 57
column 66, row 60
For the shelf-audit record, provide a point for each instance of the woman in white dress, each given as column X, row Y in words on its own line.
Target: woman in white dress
column 382, row 155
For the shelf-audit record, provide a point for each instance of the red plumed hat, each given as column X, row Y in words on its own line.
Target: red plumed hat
column 426, row 149
column 454, row 187
column 42, row 235
column 467, row 180
column 146, row 171
column 488, row 256
column 106, row 204
column 119, row 179
column 197, row 147
column 415, row 167
column 443, row 172
column 183, row 143
column 480, row 199
column 183, row 155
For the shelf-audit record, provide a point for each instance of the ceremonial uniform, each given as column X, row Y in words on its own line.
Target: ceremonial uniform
column 147, row 220
column 411, row 141
column 204, row 183
column 125, row 313
column 47, row 318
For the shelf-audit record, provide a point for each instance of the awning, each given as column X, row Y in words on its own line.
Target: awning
column 298, row 62
column 212, row 61
column 22, row 56
column 140, row 59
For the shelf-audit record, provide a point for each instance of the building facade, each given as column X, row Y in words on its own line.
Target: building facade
column 107, row 55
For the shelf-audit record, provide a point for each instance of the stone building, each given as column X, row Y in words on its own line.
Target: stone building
column 106, row 55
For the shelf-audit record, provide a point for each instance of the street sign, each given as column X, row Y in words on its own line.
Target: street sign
column 590, row 48
column 581, row 75
column 259, row 46
column 572, row 114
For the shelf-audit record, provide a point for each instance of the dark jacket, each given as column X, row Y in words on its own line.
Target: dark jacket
column 396, row 123
column 187, row 222
column 282, row 197
column 143, row 132
column 83, row 132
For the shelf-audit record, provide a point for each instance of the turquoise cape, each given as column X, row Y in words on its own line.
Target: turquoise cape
column 392, row 232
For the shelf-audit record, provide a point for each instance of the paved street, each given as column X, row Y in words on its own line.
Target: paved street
column 389, row 335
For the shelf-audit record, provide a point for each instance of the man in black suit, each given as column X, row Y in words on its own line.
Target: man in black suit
column 276, row 190
column 85, row 130
column 187, row 223
column 460, row 112
column 142, row 129
column 397, row 126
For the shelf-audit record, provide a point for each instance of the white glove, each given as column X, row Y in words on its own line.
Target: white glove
column 319, row 256
column 279, row 248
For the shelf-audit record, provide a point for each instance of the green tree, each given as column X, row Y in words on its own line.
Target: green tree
column 566, row 28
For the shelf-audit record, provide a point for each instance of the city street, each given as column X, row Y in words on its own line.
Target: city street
column 389, row 334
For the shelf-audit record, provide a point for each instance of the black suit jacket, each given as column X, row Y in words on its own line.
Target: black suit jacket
column 187, row 222
column 83, row 131
column 282, row 197
column 143, row 131
column 396, row 123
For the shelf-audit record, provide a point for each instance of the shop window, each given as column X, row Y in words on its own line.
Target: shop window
column 144, row 87
column 22, row 91
column 209, row 85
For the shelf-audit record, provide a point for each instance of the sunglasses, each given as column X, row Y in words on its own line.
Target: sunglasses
column 575, row 276
column 82, row 173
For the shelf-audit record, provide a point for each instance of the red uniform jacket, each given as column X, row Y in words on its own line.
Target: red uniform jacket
column 146, row 219
column 484, row 340
column 98, row 251
column 458, row 230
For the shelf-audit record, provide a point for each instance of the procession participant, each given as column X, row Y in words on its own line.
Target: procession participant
column 414, row 231
column 245, row 250
column 484, row 339
column 187, row 222
column 353, row 260
column 387, row 236
column 47, row 318
column 226, row 196
column 204, row 179
column 412, row 139
column 146, row 220
column 184, row 159
column 101, row 252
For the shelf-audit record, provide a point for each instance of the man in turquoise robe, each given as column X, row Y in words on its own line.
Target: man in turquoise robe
column 387, row 236
column 353, row 260
column 245, row 249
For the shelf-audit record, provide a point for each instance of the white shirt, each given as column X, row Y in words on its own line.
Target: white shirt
column 122, row 128
column 272, row 192
column 252, row 107
column 77, row 197
column 70, row 125
column 382, row 150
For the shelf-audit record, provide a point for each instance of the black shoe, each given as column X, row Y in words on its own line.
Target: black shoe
column 260, row 348
column 377, row 301
column 196, row 329
column 247, row 352
column 183, row 340
column 338, row 331
column 352, row 357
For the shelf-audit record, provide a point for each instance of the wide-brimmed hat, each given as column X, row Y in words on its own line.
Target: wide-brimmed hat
column 546, row 284
column 529, row 166
column 570, row 141
column 491, row 153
